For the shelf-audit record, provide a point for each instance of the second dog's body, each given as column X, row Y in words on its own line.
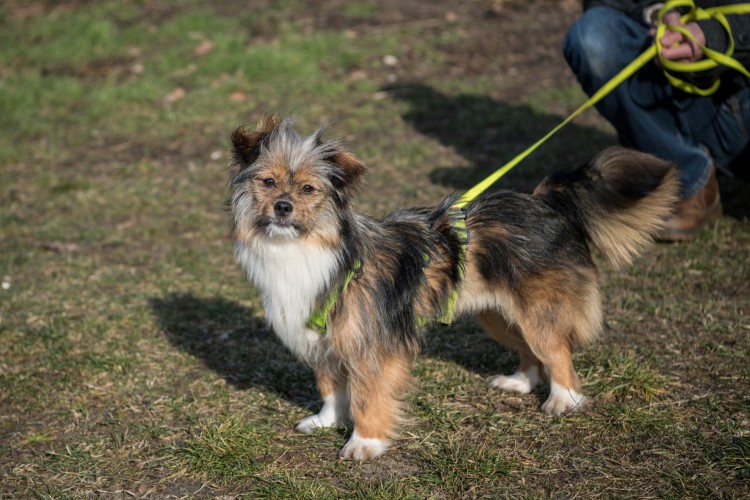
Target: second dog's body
column 527, row 273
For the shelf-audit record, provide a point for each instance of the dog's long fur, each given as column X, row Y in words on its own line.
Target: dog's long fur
column 528, row 273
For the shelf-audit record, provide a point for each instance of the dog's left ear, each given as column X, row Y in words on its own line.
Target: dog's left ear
column 246, row 145
column 348, row 170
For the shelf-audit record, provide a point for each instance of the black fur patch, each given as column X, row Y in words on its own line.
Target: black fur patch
column 518, row 235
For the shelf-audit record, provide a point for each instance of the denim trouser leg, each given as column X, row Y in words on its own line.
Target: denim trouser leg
column 647, row 112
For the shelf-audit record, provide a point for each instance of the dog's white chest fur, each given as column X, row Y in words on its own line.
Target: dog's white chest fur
column 290, row 274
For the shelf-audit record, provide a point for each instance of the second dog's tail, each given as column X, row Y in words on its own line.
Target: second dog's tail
column 619, row 200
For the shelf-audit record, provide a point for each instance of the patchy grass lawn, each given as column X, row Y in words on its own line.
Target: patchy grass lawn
column 134, row 359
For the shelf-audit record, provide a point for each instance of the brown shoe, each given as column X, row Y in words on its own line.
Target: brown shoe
column 690, row 216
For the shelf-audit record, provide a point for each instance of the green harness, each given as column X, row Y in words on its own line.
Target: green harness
column 319, row 318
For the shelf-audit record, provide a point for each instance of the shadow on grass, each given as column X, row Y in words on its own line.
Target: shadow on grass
column 466, row 344
column 489, row 133
column 232, row 341
column 735, row 195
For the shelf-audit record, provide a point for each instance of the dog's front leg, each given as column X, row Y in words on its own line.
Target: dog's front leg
column 335, row 410
column 377, row 394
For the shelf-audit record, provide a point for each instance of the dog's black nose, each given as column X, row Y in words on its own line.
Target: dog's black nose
column 283, row 208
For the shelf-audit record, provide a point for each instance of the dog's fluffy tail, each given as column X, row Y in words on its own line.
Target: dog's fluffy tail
column 619, row 200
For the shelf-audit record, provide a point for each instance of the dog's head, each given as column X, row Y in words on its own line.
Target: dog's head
column 290, row 186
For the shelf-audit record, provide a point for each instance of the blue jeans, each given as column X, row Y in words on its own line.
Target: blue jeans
column 648, row 113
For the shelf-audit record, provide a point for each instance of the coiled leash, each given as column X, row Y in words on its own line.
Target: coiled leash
column 712, row 59
column 672, row 69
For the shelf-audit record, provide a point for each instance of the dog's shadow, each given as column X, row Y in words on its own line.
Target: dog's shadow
column 231, row 340
column 467, row 345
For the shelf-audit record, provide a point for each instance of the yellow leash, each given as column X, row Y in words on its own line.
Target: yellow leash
column 623, row 75
column 459, row 224
column 712, row 60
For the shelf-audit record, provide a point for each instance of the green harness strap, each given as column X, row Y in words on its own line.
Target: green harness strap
column 712, row 60
column 319, row 318
column 458, row 221
column 318, row 321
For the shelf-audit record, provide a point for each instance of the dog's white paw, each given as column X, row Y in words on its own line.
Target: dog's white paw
column 309, row 425
column 334, row 413
column 358, row 448
column 522, row 382
column 323, row 420
column 562, row 400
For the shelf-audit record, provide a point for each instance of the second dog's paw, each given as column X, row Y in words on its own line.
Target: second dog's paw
column 562, row 400
column 358, row 448
column 522, row 382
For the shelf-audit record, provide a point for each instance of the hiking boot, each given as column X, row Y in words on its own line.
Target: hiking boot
column 691, row 215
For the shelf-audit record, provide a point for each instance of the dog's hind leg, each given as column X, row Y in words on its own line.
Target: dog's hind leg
column 542, row 356
column 554, row 352
column 565, row 389
column 529, row 372
column 335, row 410
column 376, row 394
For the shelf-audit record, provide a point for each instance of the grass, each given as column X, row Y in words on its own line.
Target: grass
column 134, row 359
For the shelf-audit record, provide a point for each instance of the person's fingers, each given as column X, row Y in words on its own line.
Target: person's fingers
column 671, row 18
column 671, row 38
column 682, row 52
column 679, row 47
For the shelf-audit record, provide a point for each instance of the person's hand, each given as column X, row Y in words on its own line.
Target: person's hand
column 678, row 47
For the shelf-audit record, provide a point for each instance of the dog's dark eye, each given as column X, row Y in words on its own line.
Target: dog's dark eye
column 308, row 189
column 269, row 182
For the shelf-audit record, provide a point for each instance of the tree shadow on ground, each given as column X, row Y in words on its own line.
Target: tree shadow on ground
column 234, row 342
column 488, row 133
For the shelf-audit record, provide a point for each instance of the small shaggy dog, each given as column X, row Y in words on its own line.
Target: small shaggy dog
column 349, row 294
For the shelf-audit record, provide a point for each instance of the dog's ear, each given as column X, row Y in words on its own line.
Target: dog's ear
column 246, row 145
column 348, row 170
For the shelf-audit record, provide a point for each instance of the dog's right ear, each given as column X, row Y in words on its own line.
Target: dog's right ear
column 246, row 145
column 348, row 171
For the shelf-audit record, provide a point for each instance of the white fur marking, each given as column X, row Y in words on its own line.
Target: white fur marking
column 522, row 382
column 334, row 413
column 359, row 448
column 562, row 400
column 276, row 231
column 290, row 274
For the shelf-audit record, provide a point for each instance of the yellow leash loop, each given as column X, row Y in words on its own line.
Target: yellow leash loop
column 712, row 60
